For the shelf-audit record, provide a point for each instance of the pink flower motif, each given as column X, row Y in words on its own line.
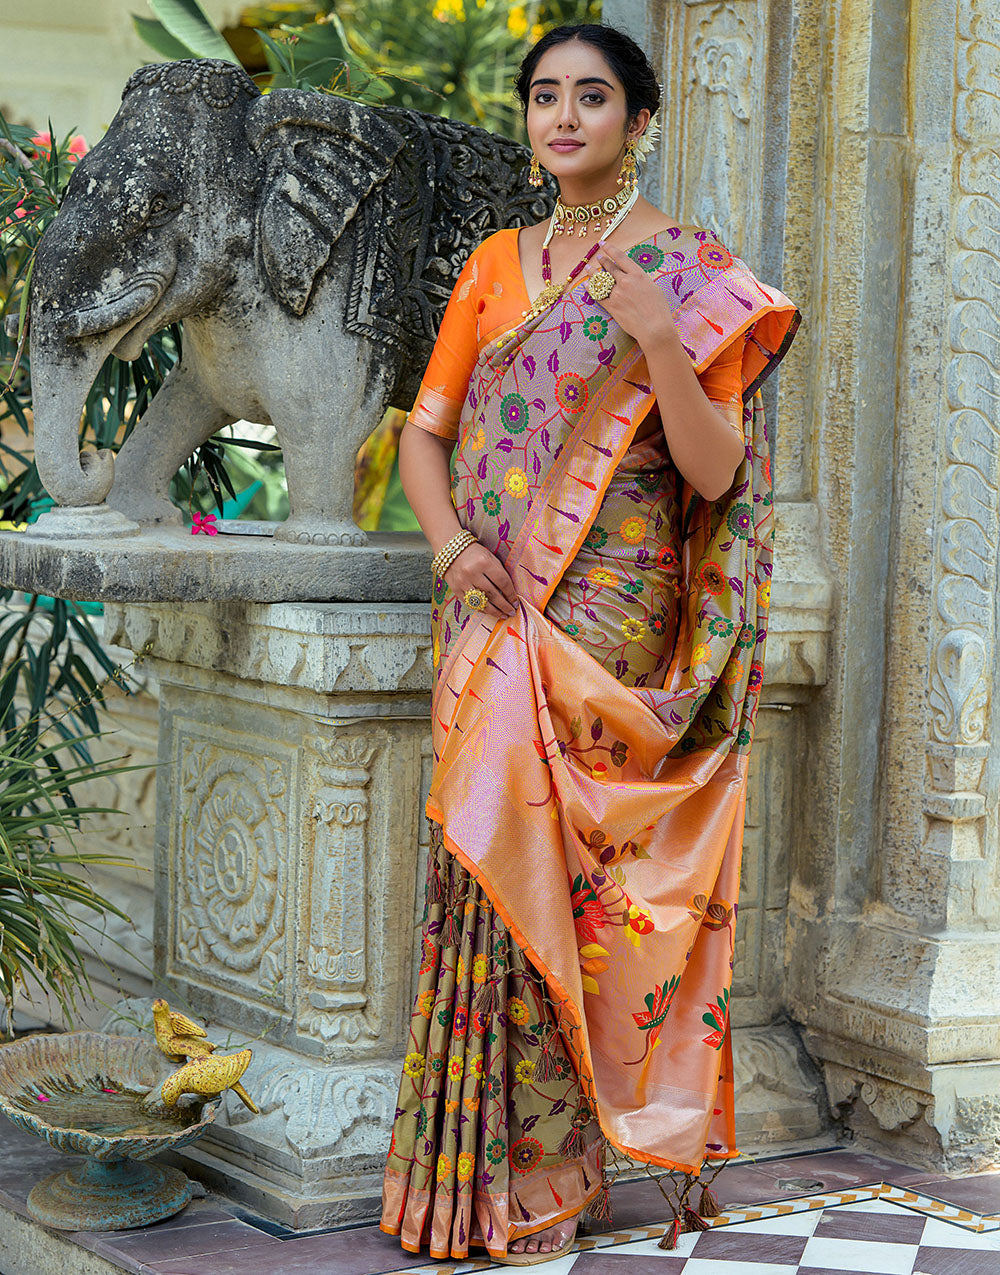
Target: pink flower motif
column 204, row 523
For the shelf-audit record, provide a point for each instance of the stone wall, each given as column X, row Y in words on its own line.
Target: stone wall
column 849, row 148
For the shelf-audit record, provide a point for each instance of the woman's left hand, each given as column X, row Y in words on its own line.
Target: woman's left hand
column 635, row 302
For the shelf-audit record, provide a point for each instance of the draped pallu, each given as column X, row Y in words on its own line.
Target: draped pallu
column 591, row 751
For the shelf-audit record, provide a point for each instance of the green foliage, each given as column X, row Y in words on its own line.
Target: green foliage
column 45, row 898
column 182, row 23
column 456, row 58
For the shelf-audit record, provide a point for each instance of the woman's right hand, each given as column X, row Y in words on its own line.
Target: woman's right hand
column 477, row 568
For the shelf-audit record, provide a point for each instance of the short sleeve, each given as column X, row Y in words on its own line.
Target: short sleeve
column 722, row 381
column 438, row 406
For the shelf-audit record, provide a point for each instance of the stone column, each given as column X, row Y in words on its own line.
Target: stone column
column 849, row 149
column 293, row 766
column 900, row 997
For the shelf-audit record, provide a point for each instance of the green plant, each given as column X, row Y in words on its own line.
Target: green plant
column 45, row 899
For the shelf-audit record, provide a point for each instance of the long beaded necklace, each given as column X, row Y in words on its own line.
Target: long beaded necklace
column 551, row 290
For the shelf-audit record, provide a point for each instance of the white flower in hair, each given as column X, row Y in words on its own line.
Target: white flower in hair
column 647, row 142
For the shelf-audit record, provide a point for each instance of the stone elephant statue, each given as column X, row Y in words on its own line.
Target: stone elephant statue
column 308, row 243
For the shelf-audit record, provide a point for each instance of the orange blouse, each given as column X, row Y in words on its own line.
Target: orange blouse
column 490, row 297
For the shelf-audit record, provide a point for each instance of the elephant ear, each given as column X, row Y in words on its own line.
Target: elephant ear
column 321, row 156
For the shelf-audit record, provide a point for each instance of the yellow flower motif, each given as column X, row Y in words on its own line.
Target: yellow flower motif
column 476, row 1066
column 414, row 1064
column 479, row 969
column 472, row 1104
column 733, row 672
column 425, row 1003
column 456, row 1065
column 700, row 653
column 633, row 629
column 633, row 529
column 516, row 481
column 524, row 1071
column 436, row 652
column 466, row 1166
column 517, row 1010
column 460, row 971
column 478, row 440
column 601, row 575
column 443, row 1168
column 517, row 22
column 764, row 594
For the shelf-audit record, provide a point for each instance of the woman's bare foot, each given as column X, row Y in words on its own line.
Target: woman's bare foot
column 553, row 1238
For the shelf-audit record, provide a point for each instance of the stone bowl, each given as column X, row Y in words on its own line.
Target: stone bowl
column 82, row 1092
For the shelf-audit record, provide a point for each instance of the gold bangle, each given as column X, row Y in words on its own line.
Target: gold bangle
column 450, row 550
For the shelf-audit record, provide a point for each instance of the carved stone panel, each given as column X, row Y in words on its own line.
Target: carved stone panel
column 229, row 880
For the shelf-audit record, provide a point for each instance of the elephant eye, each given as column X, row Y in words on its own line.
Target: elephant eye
column 160, row 209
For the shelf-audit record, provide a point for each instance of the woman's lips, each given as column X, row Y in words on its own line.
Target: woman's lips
column 565, row 146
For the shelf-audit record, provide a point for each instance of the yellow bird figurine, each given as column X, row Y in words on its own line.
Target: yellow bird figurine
column 209, row 1076
column 177, row 1035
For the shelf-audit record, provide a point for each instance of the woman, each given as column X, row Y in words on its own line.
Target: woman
column 603, row 558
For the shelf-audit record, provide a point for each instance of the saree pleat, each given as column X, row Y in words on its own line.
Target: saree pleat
column 489, row 1097
column 590, row 767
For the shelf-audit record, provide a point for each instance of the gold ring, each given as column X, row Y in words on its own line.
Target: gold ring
column 476, row 599
column 600, row 284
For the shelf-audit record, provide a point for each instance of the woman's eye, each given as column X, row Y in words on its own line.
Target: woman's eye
column 593, row 99
column 543, row 98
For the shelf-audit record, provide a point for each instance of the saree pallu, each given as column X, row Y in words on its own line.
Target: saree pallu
column 591, row 751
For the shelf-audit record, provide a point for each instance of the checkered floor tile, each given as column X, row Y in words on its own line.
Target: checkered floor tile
column 810, row 1236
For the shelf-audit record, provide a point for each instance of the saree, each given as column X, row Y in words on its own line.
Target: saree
column 590, row 769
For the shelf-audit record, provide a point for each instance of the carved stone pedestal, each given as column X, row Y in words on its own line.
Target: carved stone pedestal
column 293, row 767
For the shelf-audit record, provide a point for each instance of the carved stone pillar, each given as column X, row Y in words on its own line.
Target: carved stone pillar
column 292, row 776
column 851, row 150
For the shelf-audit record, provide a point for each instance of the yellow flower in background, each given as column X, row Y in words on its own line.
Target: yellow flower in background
column 516, row 481
column 537, row 31
column 446, row 10
column 12, row 526
column 524, row 1071
column 517, row 22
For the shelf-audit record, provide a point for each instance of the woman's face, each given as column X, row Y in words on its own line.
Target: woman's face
column 577, row 117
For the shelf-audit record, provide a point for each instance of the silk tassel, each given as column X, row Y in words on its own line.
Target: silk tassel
column 692, row 1222
column 671, row 1235
column 709, row 1206
column 600, row 1207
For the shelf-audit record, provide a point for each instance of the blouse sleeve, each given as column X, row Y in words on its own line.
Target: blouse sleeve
column 722, row 382
column 446, row 381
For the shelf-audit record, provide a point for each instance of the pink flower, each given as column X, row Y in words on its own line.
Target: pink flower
column 42, row 1097
column 205, row 523
column 77, row 146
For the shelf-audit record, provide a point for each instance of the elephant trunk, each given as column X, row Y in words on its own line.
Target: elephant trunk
column 61, row 377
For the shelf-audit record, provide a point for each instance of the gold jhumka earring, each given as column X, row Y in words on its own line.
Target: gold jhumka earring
column 628, row 177
column 535, row 172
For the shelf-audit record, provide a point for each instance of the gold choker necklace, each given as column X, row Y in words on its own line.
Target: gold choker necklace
column 575, row 219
